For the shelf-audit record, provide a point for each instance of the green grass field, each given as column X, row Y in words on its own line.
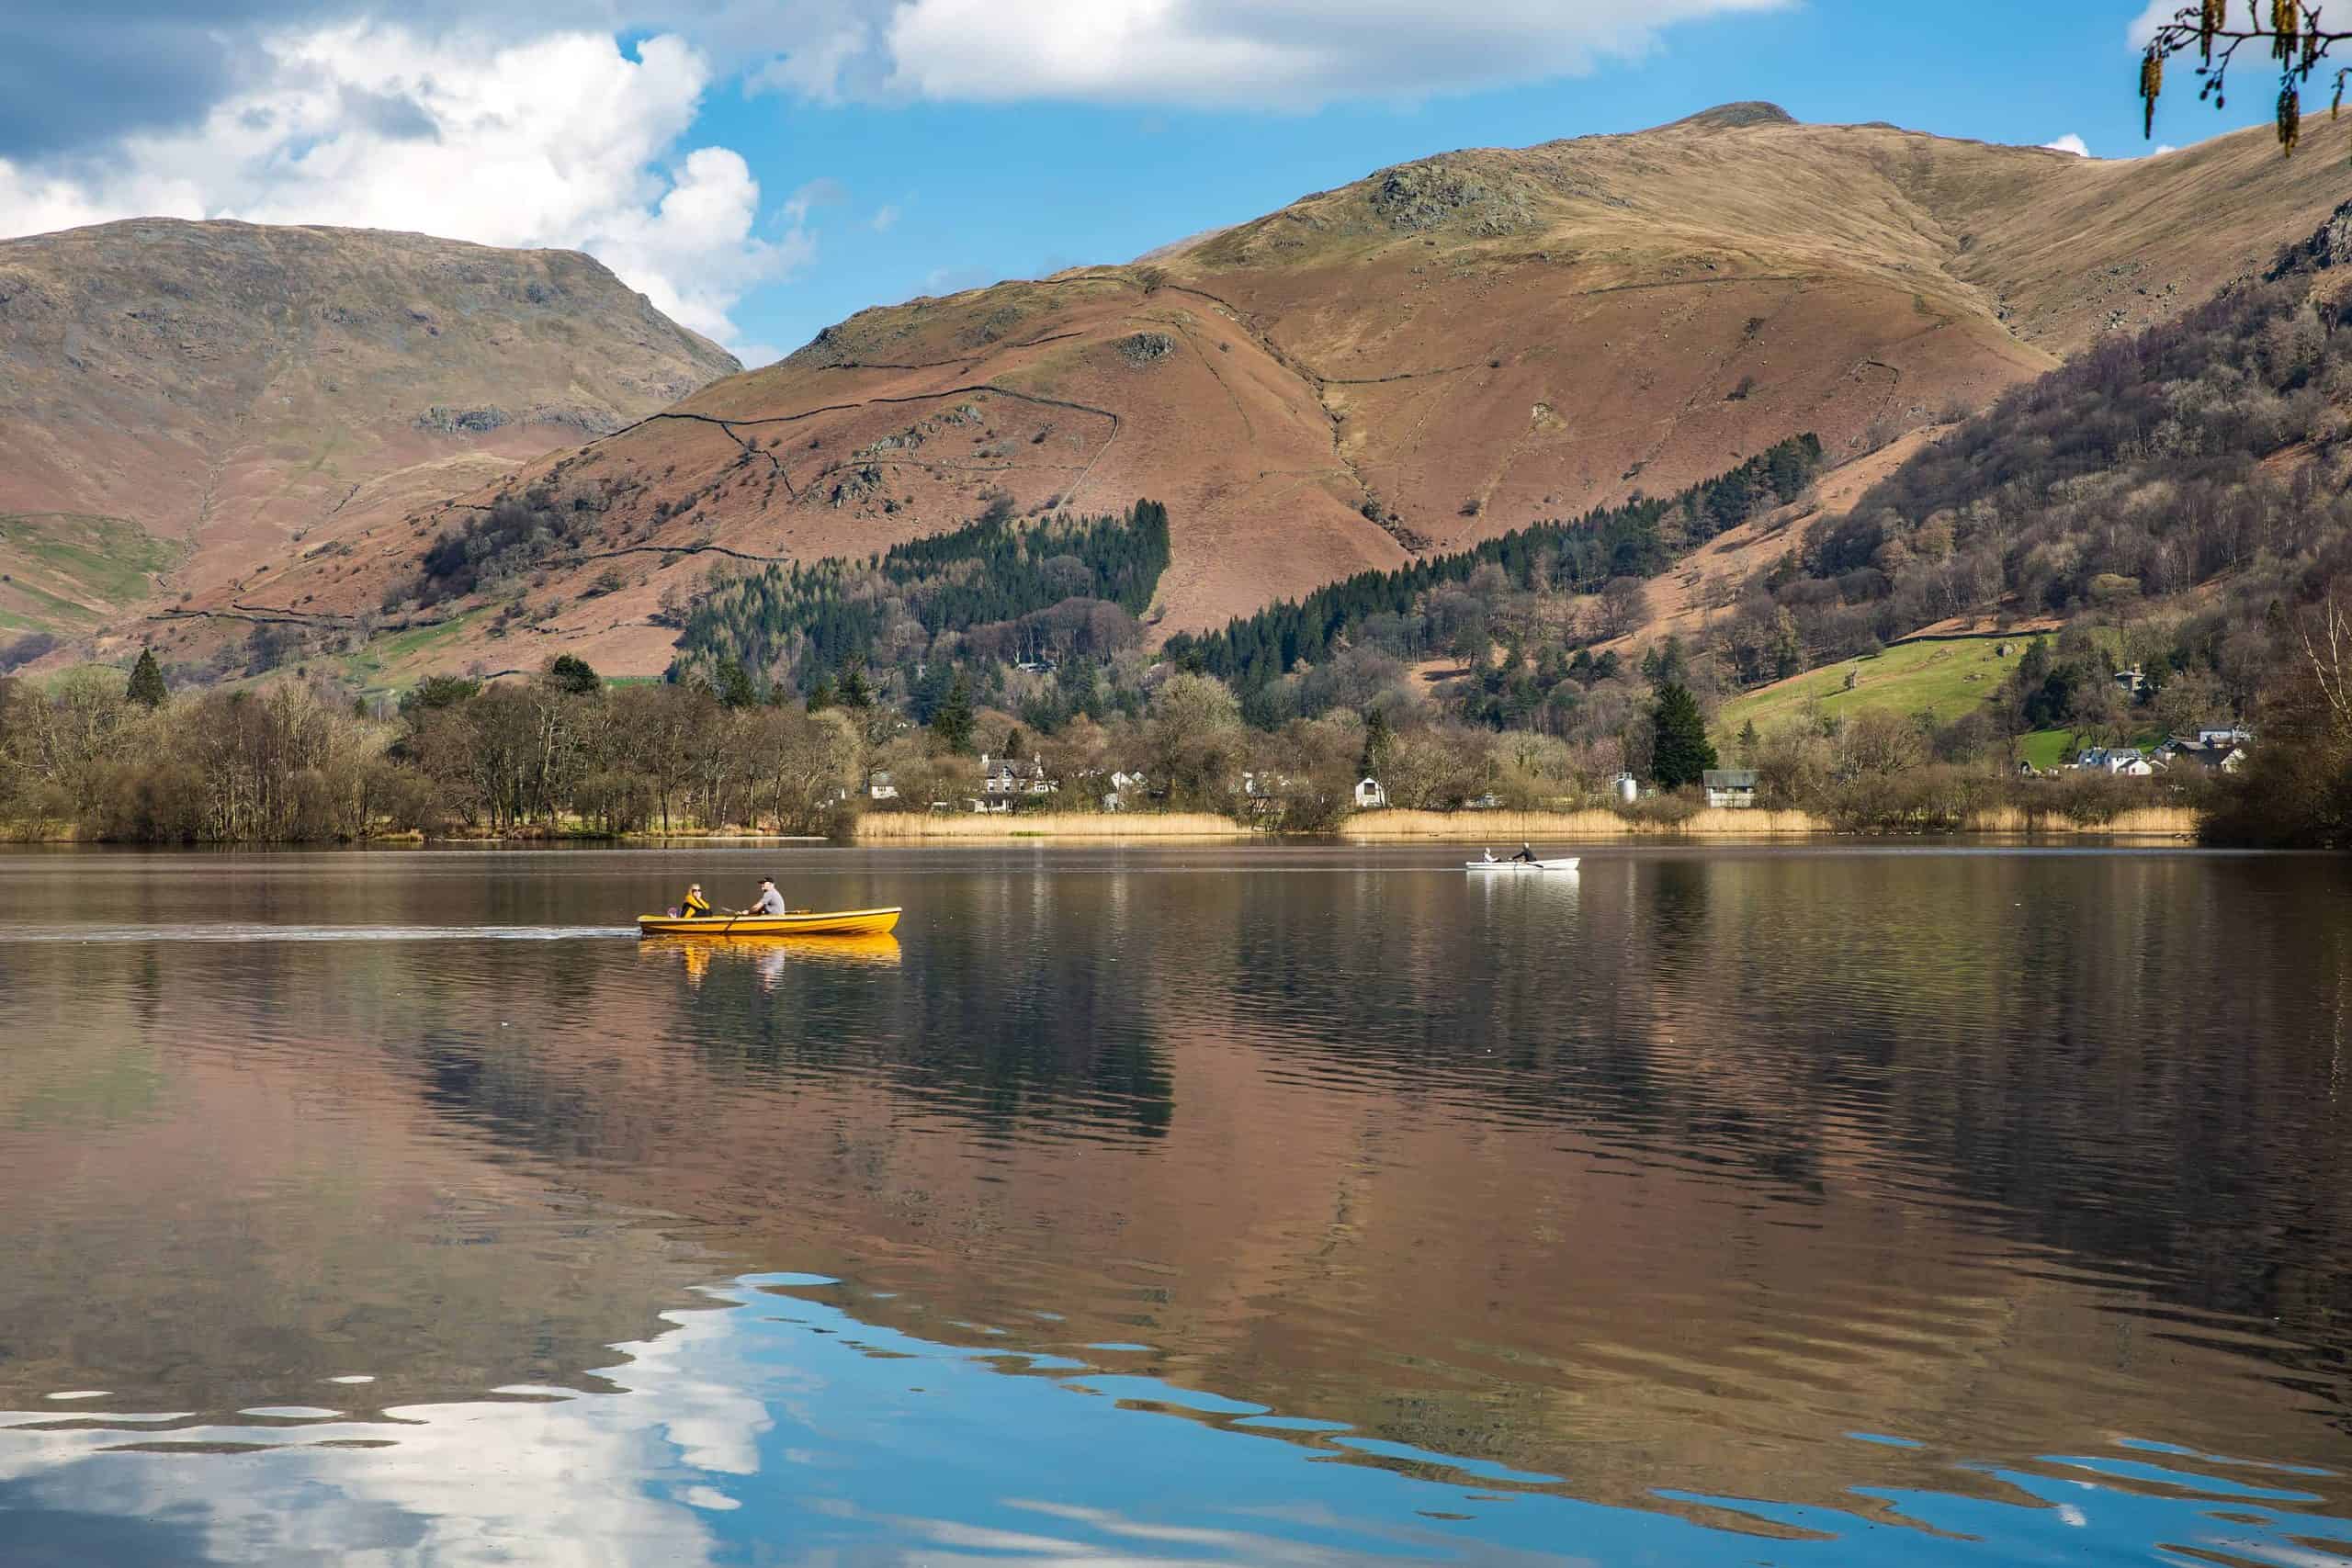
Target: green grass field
column 1947, row 677
column 66, row 572
column 367, row 666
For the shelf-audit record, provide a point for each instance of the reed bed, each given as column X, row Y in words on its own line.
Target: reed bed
column 2140, row 822
column 1552, row 826
column 898, row 827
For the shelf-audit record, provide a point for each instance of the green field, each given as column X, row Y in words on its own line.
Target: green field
column 1947, row 677
column 66, row 572
column 367, row 666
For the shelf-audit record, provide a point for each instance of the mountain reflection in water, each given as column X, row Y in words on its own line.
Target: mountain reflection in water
column 1916, row 1206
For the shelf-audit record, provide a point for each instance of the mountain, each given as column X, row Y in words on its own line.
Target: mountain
column 1433, row 355
column 180, row 402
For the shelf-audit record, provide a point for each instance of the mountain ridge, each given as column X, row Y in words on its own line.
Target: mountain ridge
column 223, row 385
column 1445, row 349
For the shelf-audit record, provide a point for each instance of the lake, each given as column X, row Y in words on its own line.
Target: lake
column 1222, row 1204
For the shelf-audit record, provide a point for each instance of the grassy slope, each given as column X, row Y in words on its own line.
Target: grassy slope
column 68, row 572
column 1947, row 677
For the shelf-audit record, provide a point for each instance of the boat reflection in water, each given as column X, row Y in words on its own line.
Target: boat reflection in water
column 770, row 957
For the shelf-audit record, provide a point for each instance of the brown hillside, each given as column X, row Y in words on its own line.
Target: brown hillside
column 1437, row 353
column 222, row 387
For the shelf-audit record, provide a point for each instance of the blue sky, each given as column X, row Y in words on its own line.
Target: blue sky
column 761, row 169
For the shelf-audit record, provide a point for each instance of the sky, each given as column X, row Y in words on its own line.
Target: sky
column 762, row 168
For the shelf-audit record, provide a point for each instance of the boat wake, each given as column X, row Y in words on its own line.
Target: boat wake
column 100, row 934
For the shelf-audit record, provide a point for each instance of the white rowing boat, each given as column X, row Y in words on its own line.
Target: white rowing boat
column 1568, row 864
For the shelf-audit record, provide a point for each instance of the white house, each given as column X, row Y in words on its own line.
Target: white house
column 1126, row 788
column 1371, row 795
column 2126, row 761
column 879, row 787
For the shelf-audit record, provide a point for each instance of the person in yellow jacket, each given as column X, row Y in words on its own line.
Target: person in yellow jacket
column 695, row 906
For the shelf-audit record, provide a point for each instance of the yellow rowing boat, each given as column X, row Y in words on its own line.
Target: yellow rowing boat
column 800, row 922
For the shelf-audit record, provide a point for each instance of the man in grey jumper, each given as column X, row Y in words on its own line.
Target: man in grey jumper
column 769, row 901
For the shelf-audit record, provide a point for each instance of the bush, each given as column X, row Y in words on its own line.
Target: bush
column 25, row 650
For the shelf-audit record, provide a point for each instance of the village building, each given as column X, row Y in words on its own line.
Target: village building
column 1733, row 788
column 1371, row 795
column 2214, row 751
column 1003, row 778
column 2124, row 762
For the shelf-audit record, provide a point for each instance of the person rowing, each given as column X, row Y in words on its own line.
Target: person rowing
column 1526, row 853
column 769, row 901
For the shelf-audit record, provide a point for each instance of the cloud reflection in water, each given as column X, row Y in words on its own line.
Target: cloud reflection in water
column 778, row 1429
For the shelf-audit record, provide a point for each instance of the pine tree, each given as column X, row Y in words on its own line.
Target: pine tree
column 953, row 723
column 822, row 695
column 857, row 693
column 147, row 687
column 1682, row 752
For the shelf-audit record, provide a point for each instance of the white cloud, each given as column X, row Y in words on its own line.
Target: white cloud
column 1276, row 54
column 2144, row 25
column 2070, row 142
column 558, row 141
column 885, row 218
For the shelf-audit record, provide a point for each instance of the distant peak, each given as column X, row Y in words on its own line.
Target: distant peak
column 1727, row 117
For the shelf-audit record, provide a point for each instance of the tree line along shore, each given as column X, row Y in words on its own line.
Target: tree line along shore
column 94, row 755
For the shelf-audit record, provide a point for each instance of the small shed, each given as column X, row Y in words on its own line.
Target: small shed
column 1732, row 787
column 1371, row 795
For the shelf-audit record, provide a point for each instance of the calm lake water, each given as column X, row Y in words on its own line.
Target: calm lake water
column 1207, row 1205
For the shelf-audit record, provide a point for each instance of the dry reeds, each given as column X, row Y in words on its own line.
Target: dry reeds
column 904, row 826
column 1526, row 827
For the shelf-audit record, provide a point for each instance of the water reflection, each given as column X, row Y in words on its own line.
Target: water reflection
column 1682, row 1180
column 781, row 1428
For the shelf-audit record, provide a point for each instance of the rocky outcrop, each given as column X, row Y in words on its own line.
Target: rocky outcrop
column 1140, row 349
column 1443, row 193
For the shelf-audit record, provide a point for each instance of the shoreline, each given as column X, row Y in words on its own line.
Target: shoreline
column 1591, row 826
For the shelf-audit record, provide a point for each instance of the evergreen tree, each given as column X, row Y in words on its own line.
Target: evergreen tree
column 147, row 687
column 437, row 691
column 732, row 685
column 1015, row 742
column 570, row 672
column 953, row 722
column 857, row 693
column 822, row 695
column 1748, row 742
column 1682, row 751
column 1376, row 742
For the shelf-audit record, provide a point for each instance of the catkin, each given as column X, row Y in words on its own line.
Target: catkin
column 2290, row 118
column 2152, row 83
